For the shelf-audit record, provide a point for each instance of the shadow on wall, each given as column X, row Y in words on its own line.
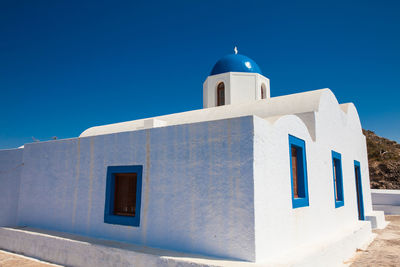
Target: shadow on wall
column 10, row 177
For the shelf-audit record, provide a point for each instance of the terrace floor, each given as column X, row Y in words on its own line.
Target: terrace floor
column 8, row 259
column 384, row 250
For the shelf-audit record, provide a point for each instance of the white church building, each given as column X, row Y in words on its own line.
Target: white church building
column 249, row 180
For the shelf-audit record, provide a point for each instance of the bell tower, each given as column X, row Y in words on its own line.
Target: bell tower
column 234, row 79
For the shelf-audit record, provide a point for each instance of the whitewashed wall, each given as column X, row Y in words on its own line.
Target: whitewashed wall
column 10, row 174
column 320, row 222
column 197, row 193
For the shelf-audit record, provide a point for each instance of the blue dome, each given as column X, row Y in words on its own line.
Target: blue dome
column 235, row 63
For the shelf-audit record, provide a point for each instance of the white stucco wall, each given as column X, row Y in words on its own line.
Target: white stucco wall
column 10, row 174
column 291, row 229
column 339, row 126
column 243, row 87
column 197, row 193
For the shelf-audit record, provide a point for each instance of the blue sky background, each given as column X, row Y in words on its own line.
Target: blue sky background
column 68, row 65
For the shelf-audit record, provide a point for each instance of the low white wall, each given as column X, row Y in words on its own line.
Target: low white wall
column 10, row 175
column 71, row 250
column 78, row 251
column 386, row 200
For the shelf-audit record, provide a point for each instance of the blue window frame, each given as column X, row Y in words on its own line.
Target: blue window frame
column 118, row 179
column 298, row 172
column 360, row 199
column 337, row 179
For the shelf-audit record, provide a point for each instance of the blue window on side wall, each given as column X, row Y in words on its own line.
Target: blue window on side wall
column 298, row 172
column 337, row 179
column 123, row 195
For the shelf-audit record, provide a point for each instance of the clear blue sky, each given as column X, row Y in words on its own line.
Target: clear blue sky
column 68, row 65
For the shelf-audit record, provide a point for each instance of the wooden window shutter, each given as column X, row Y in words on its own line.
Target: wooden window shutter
column 125, row 194
column 295, row 174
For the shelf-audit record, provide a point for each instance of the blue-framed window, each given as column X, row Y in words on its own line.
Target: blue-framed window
column 298, row 172
column 360, row 199
column 123, row 195
column 337, row 179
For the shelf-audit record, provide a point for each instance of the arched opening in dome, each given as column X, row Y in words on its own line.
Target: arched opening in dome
column 221, row 94
column 263, row 91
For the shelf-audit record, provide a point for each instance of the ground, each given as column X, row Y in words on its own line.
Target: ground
column 383, row 251
column 8, row 259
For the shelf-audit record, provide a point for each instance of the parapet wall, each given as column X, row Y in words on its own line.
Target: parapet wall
column 386, row 200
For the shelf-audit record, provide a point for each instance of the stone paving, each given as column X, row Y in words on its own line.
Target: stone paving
column 384, row 250
column 8, row 259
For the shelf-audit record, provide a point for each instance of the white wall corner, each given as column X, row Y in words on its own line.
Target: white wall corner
column 154, row 123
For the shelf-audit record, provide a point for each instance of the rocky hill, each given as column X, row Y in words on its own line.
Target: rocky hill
column 384, row 161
